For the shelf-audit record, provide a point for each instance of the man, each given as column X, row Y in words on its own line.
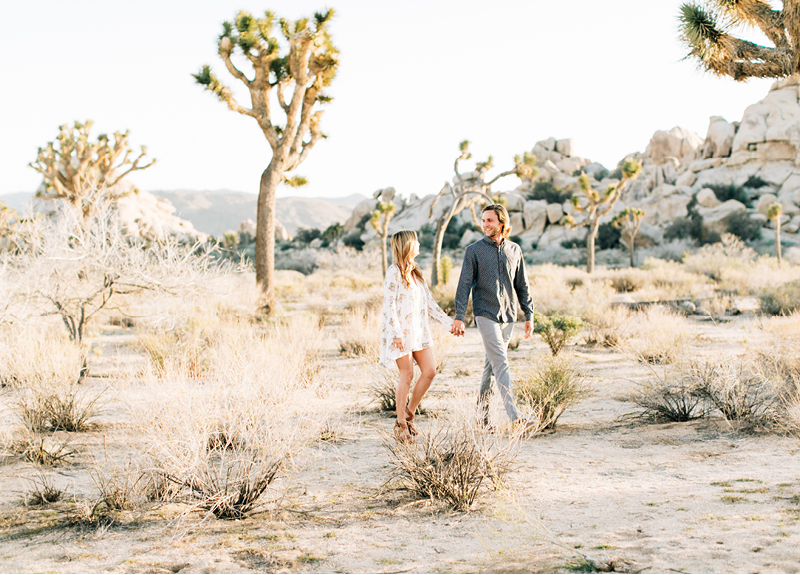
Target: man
column 494, row 272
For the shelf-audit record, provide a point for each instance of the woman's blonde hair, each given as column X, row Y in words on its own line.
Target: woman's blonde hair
column 402, row 242
column 502, row 216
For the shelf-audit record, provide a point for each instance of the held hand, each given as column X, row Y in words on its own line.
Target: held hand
column 398, row 343
column 458, row 328
column 528, row 329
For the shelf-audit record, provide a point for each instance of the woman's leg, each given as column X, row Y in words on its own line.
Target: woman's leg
column 406, row 366
column 427, row 367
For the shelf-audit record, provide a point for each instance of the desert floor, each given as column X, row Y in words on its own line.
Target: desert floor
column 680, row 497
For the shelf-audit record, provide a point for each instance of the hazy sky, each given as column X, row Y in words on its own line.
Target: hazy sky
column 416, row 78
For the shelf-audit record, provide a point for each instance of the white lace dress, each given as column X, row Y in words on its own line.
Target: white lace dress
column 405, row 315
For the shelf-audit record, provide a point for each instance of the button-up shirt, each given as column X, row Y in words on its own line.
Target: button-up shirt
column 494, row 274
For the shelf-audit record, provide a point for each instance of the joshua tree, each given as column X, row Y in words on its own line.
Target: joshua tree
column 79, row 171
column 705, row 31
column 629, row 220
column 466, row 192
column 598, row 205
column 380, row 221
column 774, row 213
column 308, row 64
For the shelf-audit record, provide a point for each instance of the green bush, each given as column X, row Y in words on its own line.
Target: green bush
column 755, row 182
column 306, row 235
column 549, row 193
column 783, row 300
column 548, row 387
column 731, row 192
column 740, row 225
column 332, row 233
column 353, row 240
column 445, row 269
column 556, row 329
column 607, row 237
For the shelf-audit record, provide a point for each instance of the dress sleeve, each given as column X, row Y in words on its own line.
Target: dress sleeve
column 391, row 317
column 435, row 311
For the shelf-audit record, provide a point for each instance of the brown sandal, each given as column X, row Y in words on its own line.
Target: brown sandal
column 401, row 432
column 412, row 429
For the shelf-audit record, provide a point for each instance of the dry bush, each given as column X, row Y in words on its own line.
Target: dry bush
column 119, row 486
column 548, row 387
column 660, row 336
column 39, row 357
column 451, row 462
column 43, row 491
column 227, row 435
column 626, row 281
column 717, row 306
column 360, row 333
column 443, row 345
column 383, row 389
column 568, row 291
column 715, row 260
column 670, row 281
column 609, row 329
column 44, row 450
column 69, row 408
column 748, row 398
column 782, row 300
column 675, row 394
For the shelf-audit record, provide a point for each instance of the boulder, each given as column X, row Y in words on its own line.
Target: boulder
column 764, row 202
column 707, row 198
column 596, row 170
column 361, row 210
column 648, row 235
column 792, row 226
column 719, row 139
column 554, row 213
column 385, row 195
column 418, row 215
column 550, row 167
column 776, row 173
column 246, row 232
column 535, row 216
column 665, row 209
column 570, row 165
column 565, row 147
column 676, row 143
column 549, row 144
column 554, row 235
column 687, row 178
column 705, row 164
column 716, row 219
column 514, row 202
column 469, row 237
column 517, row 224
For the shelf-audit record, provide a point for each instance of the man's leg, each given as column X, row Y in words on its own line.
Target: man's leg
column 495, row 338
column 485, row 393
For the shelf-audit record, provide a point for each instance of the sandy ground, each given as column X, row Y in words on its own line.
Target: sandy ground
column 682, row 497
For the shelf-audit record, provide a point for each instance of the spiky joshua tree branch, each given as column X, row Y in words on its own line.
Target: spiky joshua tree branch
column 290, row 75
column 706, row 30
column 629, row 220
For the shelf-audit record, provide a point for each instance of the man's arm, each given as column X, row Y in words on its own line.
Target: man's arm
column 465, row 282
column 522, row 288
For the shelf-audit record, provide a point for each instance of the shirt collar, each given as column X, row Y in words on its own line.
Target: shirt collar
column 491, row 242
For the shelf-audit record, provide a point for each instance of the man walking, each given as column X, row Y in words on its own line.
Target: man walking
column 494, row 272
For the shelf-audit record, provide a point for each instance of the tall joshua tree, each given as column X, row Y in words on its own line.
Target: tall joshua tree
column 380, row 221
column 305, row 65
column 629, row 220
column 79, row 171
column 774, row 213
column 705, row 30
column 466, row 192
column 598, row 204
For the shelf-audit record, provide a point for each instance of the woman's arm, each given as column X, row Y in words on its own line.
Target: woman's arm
column 435, row 311
column 391, row 317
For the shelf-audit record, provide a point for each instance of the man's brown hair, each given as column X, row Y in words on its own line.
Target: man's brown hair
column 502, row 215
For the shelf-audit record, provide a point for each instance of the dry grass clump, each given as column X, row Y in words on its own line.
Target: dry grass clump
column 451, row 462
column 119, row 486
column 43, row 491
column 383, row 389
column 227, row 435
column 626, row 281
column 360, row 332
column 39, row 357
column 675, row 394
column 68, row 408
column 609, row 329
column 781, row 300
column 669, row 281
column 182, row 345
column 548, row 387
column 568, row 291
column 42, row 449
column 660, row 336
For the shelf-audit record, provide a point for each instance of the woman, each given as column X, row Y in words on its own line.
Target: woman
column 405, row 331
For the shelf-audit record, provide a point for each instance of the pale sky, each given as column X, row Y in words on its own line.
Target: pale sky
column 416, row 78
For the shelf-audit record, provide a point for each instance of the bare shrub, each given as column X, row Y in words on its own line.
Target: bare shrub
column 383, row 389
column 782, row 300
column 548, row 387
column 359, row 335
column 660, row 337
column 747, row 397
column 718, row 306
column 118, row 485
column 451, row 462
column 628, row 281
column 68, row 408
column 675, row 394
column 44, row 450
column 43, row 491
column 609, row 329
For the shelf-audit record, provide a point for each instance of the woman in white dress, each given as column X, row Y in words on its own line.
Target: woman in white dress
column 405, row 330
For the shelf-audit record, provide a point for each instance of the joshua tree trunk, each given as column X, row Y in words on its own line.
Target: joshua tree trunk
column 631, row 245
column 591, row 234
column 265, row 238
column 778, row 239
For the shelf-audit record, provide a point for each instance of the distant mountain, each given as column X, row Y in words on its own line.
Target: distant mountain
column 216, row 212
column 219, row 211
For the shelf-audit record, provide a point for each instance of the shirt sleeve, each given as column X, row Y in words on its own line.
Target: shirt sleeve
column 522, row 288
column 465, row 282
column 391, row 286
column 435, row 311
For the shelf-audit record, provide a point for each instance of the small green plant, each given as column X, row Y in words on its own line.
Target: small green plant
column 445, row 268
column 556, row 329
column 549, row 387
column 546, row 191
column 774, row 213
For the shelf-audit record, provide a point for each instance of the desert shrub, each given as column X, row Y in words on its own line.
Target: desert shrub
column 742, row 226
column 306, row 235
column 568, row 291
column 755, row 182
column 451, row 462
column 717, row 259
column 556, row 329
column 548, row 387
column 731, row 192
column 359, row 336
column 181, row 347
column 607, row 237
column 445, row 269
column 660, row 336
column 69, row 408
column 383, row 387
column 47, row 450
column 783, row 300
column 747, row 398
column 353, row 240
column 227, row 436
column 43, row 491
column 610, row 328
column 675, row 394
column 544, row 190
column 628, row 281
column 717, row 306
column 118, row 486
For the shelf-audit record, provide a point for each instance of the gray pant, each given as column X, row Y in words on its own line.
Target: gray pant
column 496, row 337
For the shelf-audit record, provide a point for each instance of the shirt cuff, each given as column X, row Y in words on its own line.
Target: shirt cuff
column 460, row 318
